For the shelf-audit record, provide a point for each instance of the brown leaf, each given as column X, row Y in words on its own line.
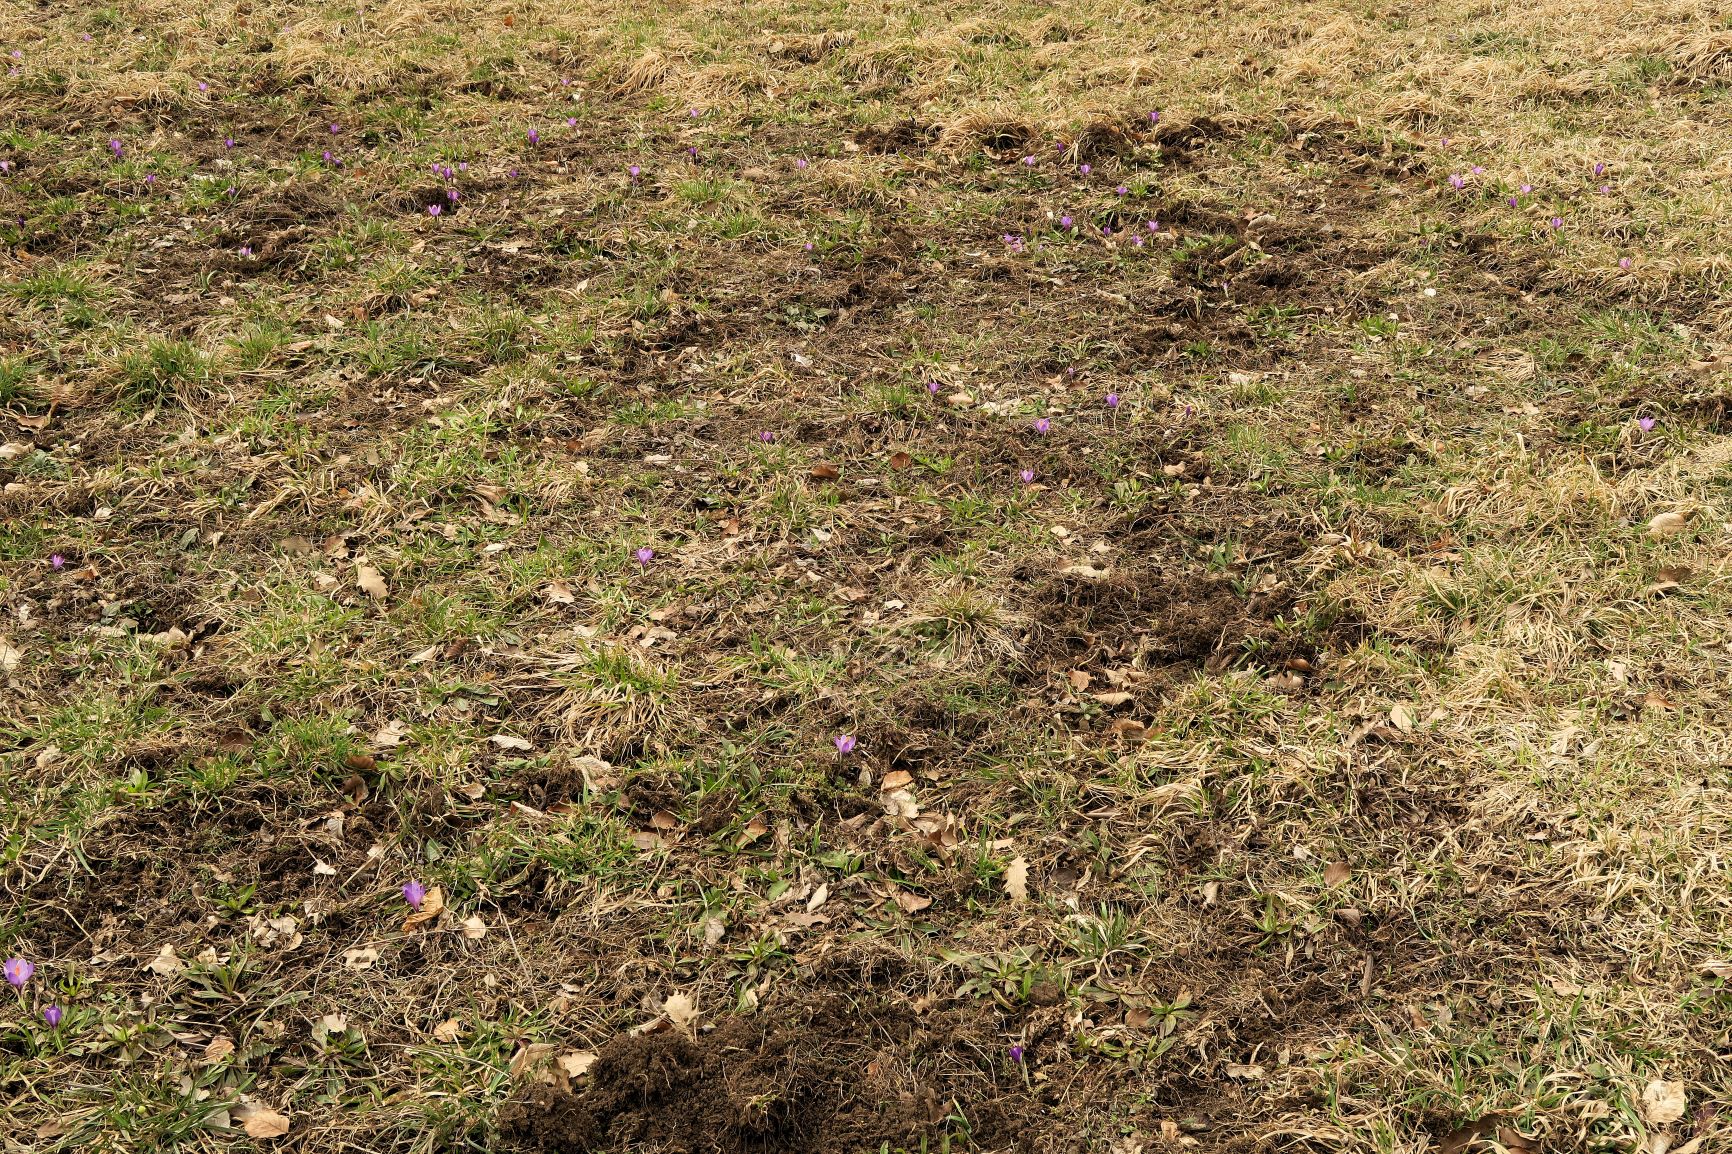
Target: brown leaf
column 528, row 1060
column 217, row 1049
column 1016, row 879
column 663, row 820
column 1715, row 968
column 896, row 779
column 754, row 830
column 448, row 1031
column 646, row 841
column 474, row 928
column 260, row 1121
column 431, row 907
column 559, row 593
column 1667, row 524
column 1129, row 730
column 371, row 582
column 680, row 1010
column 900, row 460
column 911, row 903
column 1663, row 1102
column 576, row 1063
column 1079, row 680
column 1335, row 873
column 823, row 471
column 359, row 760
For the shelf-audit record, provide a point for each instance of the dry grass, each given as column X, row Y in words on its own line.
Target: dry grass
column 1357, row 732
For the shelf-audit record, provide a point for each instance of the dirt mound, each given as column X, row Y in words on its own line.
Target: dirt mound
column 833, row 1073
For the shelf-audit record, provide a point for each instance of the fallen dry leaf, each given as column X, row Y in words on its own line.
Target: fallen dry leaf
column 754, row 830
column 559, row 593
column 1667, row 524
column 900, row 460
column 431, row 907
column 896, row 779
column 448, row 1031
column 10, row 658
column 1663, row 1102
column 1401, row 717
column 576, row 1063
column 528, row 1058
column 217, row 1049
column 680, row 1010
column 391, row 734
column 825, row 472
column 474, row 928
column 166, row 964
column 260, row 1121
column 818, row 898
column 1016, row 879
column 360, row 959
column 371, row 582
column 1715, row 968
column 1335, row 873
column 911, row 903
column 507, row 741
column 1245, row 1073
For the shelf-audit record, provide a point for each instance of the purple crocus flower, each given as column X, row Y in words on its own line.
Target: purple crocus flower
column 203, row 87
column 246, row 250
column 807, row 246
column 1457, row 181
column 1600, row 169
column 1064, row 222
column 414, row 893
column 1123, row 190
column 932, row 387
column 1605, row 189
column 56, row 562
column 228, row 142
column 767, row 437
column 633, row 170
column 17, row 972
column 1646, row 424
column 1042, row 426
column 1112, row 400
column 844, row 744
column 335, row 128
column 1527, row 188
column 1028, row 162
column 1625, row 263
column 117, row 148
column 645, row 555
column 1026, row 476
column 52, row 1016
column 534, row 136
column 1155, row 117
column 1154, row 226
column 451, row 195
column 1557, row 222
column 1513, row 202
column 694, row 114
column 1477, row 170
column 800, row 163
column 1084, row 170
column 1016, row 1053
column 432, row 210
column 1137, row 240
column 571, row 122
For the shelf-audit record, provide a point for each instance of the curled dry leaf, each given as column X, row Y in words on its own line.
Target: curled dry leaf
column 1715, row 968
column 1016, row 879
column 431, row 907
column 260, row 1121
column 576, row 1063
column 166, row 964
column 1245, row 1073
column 1335, row 873
column 911, row 903
column 448, row 1031
column 217, row 1049
column 474, row 928
column 900, row 460
column 507, row 741
column 391, row 734
column 754, row 830
column 1663, row 1102
column 360, row 959
column 371, row 582
column 896, row 779
column 529, row 1060
column 1667, row 524
column 681, row 1010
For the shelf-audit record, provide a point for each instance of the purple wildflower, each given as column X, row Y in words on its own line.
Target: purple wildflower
column 767, row 437
column 1028, row 162
column 1064, row 221
column 228, row 142
column 1457, row 181
column 432, row 210
column 932, row 387
column 52, row 1016
column 844, row 744
column 1477, row 170
column 451, row 195
column 1123, row 190
column 1625, row 263
column 1027, row 476
column 56, row 562
column 571, row 122
column 1646, row 424
column 414, row 893
column 1600, row 169
column 694, row 114
column 1137, row 240
column 117, row 148
column 1154, row 226
column 534, row 136
column 807, row 246
column 1444, row 142
column 1042, row 426
column 246, row 250
column 335, row 128
column 1557, row 222
column 17, row 972
column 800, row 163
column 1155, row 117
column 645, row 555
column 1084, row 170
column 1016, row 1053
column 1605, row 189
column 1513, row 202
column 1527, row 188
column 1112, row 400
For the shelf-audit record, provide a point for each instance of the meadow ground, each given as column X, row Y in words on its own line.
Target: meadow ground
column 1252, row 481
